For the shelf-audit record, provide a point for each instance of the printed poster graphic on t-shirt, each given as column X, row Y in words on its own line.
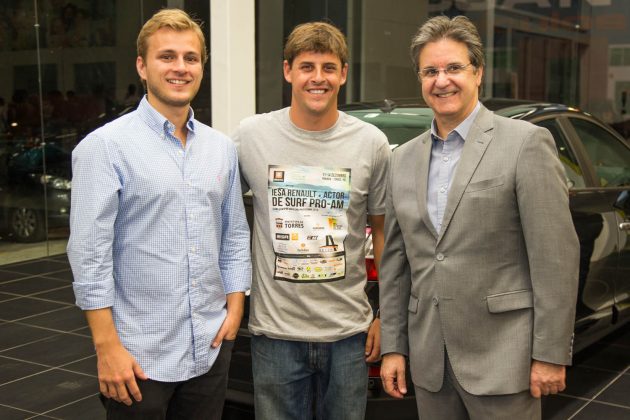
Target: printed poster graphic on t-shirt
column 308, row 221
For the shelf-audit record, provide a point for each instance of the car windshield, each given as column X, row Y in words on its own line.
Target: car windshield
column 400, row 125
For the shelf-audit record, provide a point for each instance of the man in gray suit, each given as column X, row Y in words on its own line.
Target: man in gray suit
column 480, row 267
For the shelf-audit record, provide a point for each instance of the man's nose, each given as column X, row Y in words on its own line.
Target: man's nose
column 180, row 64
column 442, row 78
column 318, row 74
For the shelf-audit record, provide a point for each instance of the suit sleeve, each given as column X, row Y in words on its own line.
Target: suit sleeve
column 394, row 280
column 552, row 246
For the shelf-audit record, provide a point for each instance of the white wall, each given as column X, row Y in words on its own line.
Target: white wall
column 233, row 62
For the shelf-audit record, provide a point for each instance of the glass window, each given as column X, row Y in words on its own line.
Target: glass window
column 609, row 156
column 573, row 172
column 616, row 56
column 66, row 70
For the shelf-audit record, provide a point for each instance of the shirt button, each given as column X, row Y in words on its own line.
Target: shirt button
column 181, row 153
column 440, row 257
column 443, row 190
column 436, row 301
column 445, row 159
column 193, row 249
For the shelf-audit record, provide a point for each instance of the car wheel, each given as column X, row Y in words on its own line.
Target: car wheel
column 27, row 224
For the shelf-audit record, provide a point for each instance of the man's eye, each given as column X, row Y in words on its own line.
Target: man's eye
column 192, row 59
column 454, row 68
column 330, row 68
column 430, row 72
column 166, row 57
column 306, row 67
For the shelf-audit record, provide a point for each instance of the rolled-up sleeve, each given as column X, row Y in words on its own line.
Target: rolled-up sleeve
column 95, row 187
column 234, row 255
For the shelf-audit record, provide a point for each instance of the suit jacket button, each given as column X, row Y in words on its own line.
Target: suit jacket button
column 440, row 257
column 436, row 301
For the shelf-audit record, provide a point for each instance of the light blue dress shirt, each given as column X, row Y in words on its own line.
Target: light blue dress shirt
column 159, row 234
column 445, row 155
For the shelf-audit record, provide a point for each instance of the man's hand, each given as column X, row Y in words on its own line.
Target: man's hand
column 232, row 321
column 546, row 378
column 117, row 369
column 393, row 375
column 117, row 372
column 373, row 342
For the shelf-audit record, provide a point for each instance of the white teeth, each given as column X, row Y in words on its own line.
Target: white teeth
column 177, row 82
column 445, row 95
column 317, row 91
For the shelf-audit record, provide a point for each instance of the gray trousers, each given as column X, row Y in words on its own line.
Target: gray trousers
column 452, row 402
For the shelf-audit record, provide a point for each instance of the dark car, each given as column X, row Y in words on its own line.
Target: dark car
column 34, row 196
column 597, row 166
column 35, row 177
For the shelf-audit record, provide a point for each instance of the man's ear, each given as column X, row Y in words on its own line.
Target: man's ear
column 286, row 67
column 141, row 68
column 344, row 74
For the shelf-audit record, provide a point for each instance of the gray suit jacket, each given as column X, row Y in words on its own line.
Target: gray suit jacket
column 497, row 286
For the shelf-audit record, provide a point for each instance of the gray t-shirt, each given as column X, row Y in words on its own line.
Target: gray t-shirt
column 312, row 191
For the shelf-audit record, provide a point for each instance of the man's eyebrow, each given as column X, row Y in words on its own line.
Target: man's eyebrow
column 312, row 63
column 172, row 51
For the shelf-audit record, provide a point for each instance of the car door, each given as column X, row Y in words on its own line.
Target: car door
column 594, row 221
column 609, row 156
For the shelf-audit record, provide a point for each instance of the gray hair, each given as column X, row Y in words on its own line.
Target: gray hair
column 459, row 29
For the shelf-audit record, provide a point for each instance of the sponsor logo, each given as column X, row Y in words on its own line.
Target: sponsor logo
column 294, row 224
column 295, row 237
column 282, row 236
column 278, row 176
column 312, row 237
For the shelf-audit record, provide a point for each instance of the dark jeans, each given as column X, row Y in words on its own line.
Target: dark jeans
column 290, row 377
column 201, row 397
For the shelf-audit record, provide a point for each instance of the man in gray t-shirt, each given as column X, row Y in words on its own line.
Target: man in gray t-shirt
column 316, row 175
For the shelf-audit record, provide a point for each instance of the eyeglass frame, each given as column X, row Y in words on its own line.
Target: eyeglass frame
column 447, row 72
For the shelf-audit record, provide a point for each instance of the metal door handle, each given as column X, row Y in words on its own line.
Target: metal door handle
column 624, row 226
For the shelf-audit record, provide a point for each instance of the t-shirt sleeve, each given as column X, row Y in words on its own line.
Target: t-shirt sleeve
column 237, row 138
column 378, row 179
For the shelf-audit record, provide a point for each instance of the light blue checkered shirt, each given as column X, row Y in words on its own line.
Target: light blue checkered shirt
column 159, row 234
column 445, row 155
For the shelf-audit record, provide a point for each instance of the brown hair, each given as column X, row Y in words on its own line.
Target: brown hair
column 320, row 37
column 175, row 19
column 459, row 29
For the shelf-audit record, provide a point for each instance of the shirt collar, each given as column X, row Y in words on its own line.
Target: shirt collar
column 157, row 122
column 463, row 128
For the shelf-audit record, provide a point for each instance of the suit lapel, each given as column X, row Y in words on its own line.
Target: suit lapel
column 422, row 176
column 479, row 137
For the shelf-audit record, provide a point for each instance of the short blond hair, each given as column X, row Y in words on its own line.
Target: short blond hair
column 320, row 37
column 174, row 19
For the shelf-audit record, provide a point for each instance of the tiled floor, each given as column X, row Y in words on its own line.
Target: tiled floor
column 48, row 367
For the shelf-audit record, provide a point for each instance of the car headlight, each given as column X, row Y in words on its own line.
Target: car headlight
column 56, row 182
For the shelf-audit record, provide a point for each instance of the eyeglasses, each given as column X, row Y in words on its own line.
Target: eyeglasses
column 450, row 70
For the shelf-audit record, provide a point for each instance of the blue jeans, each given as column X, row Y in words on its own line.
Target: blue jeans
column 295, row 379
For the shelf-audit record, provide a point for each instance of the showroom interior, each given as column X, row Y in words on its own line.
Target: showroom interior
column 68, row 67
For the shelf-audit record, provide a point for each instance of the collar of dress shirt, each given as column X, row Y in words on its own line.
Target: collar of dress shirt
column 157, row 122
column 463, row 128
